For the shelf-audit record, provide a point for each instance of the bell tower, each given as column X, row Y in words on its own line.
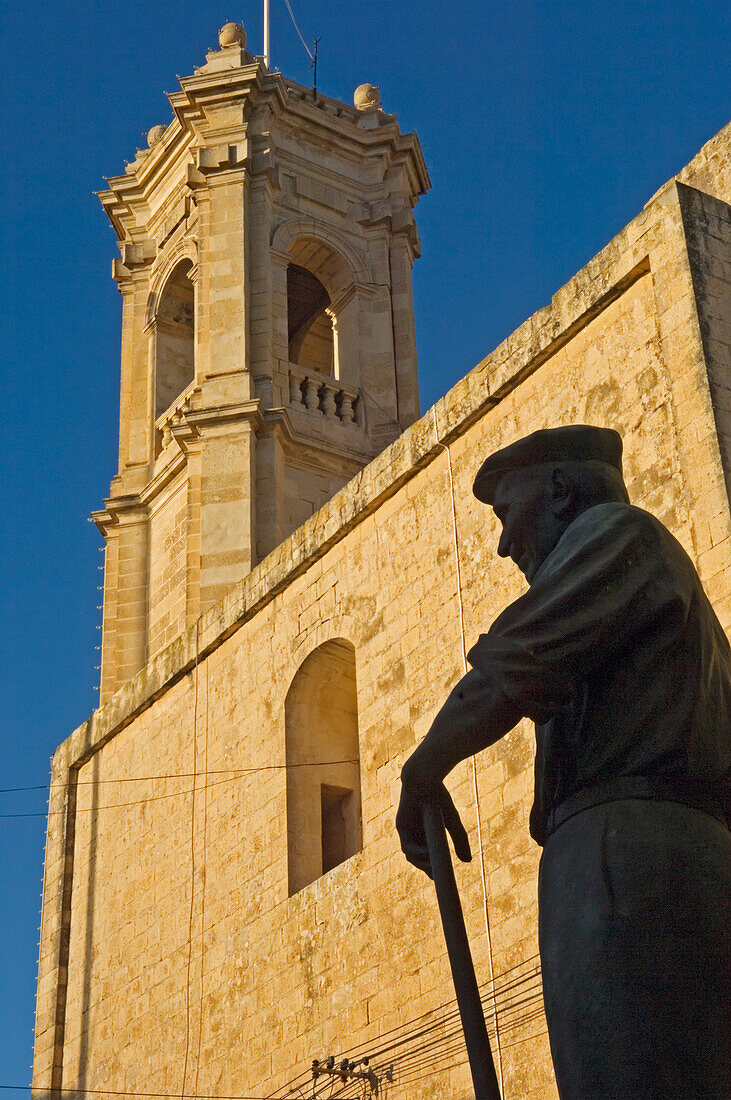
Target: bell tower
column 267, row 239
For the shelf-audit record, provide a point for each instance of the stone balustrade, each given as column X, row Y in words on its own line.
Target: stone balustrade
column 173, row 415
column 322, row 394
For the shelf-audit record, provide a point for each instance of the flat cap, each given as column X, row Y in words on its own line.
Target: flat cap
column 574, row 443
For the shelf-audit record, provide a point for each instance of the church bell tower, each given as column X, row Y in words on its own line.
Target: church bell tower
column 267, row 238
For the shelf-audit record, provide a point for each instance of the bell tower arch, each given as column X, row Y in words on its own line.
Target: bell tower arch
column 267, row 238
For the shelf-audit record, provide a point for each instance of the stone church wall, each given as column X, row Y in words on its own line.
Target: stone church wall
column 173, row 956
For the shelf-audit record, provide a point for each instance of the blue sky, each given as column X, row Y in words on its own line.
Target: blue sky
column 545, row 127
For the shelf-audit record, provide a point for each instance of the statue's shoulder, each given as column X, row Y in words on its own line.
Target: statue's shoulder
column 632, row 528
column 616, row 517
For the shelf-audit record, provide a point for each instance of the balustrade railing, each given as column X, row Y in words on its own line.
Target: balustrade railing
column 173, row 415
column 320, row 394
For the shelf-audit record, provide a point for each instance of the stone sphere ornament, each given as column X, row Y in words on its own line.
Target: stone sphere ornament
column 367, row 97
column 154, row 134
column 232, row 34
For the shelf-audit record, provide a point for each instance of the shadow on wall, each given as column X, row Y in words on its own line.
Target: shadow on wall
column 174, row 340
column 323, row 765
column 309, row 325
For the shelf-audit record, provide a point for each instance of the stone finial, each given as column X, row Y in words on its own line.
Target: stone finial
column 154, row 134
column 232, row 34
column 367, row 97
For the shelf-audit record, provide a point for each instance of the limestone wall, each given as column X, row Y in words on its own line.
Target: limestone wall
column 708, row 227
column 173, row 957
column 307, row 490
column 710, row 170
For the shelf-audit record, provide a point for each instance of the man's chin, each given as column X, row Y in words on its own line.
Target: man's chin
column 526, row 567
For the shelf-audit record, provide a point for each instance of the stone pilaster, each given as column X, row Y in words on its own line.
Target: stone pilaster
column 271, row 515
column 124, row 635
column 401, row 255
column 135, row 413
column 227, row 498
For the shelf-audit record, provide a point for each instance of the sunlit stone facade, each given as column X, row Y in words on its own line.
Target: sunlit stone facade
column 295, row 563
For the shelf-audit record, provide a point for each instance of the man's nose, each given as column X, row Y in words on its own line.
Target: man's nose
column 503, row 547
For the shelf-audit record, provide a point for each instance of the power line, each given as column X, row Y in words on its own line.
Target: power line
column 441, row 1037
column 446, row 1016
column 119, row 805
column 192, row 865
column 299, row 32
column 203, row 889
column 111, row 1092
column 230, row 775
column 475, row 786
column 181, row 775
column 410, row 1074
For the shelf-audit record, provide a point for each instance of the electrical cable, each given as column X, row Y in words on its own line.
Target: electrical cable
column 436, row 1044
column 127, row 1093
column 362, row 1049
column 412, row 1070
column 116, row 805
column 203, row 887
column 299, row 32
column 454, row 1036
column 233, row 774
column 475, row 788
column 192, row 867
column 528, row 1038
column 180, row 775
column 442, row 1046
column 437, row 1050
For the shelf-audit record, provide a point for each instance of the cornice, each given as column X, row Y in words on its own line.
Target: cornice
column 174, row 144
column 161, row 480
column 220, row 83
column 194, row 142
column 118, row 509
column 125, row 206
column 250, row 411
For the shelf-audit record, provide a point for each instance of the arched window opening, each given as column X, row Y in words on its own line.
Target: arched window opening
column 309, row 325
column 323, row 767
column 175, row 338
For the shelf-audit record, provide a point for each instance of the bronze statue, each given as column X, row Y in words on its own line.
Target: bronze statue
column 617, row 656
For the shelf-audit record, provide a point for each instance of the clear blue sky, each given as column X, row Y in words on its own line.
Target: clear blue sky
column 545, row 126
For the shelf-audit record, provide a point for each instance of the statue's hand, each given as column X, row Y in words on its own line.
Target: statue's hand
column 410, row 820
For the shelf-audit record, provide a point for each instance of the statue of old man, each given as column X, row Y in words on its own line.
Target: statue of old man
column 615, row 653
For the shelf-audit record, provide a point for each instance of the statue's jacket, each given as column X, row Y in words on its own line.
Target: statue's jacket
column 616, row 654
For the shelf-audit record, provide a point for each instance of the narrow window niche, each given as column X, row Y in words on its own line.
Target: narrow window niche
column 309, row 325
column 339, row 825
column 323, row 765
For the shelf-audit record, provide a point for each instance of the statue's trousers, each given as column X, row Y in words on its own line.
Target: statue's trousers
column 482, row 1066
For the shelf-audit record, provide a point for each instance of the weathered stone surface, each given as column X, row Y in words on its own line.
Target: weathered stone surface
column 170, row 941
column 237, row 422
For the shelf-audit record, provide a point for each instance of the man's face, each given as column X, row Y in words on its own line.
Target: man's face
column 526, row 505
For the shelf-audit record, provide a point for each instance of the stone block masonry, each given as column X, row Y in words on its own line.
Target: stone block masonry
column 175, row 956
column 268, row 348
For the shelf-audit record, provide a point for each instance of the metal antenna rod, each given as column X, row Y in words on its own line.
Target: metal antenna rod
column 266, row 33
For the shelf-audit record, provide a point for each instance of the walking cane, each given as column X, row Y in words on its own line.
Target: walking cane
column 484, row 1078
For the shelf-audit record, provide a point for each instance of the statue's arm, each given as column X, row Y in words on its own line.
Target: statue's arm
column 475, row 715
column 611, row 575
